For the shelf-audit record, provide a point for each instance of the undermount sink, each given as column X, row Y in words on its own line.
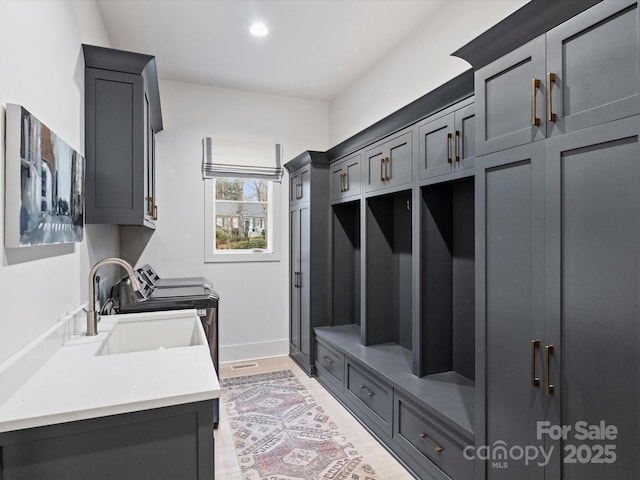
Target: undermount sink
column 137, row 333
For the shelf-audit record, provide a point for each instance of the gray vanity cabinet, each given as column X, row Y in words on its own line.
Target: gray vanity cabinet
column 389, row 163
column 122, row 116
column 583, row 72
column 558, row 300
column 447, row 142
column 309, row 227
column 346, row 179
column 163, row 443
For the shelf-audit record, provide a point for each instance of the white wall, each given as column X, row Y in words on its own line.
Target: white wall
column 43, row 70
column 254, row 308
column 415, row 67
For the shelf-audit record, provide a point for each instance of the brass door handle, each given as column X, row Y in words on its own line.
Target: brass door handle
column 296, row 279
column 535, row 381
column 448, row 148
column 549, row 386
column 341, row 183
column 150, row 204
column 382, row 169
column 387, row 177
column 155, row 212
column 298, row 189
column 456, row 139
column 345, row 182
column 551, row 78
column 535, row 84
column 433, row 445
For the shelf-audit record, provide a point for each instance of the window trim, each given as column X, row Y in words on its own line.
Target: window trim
column 272, row 255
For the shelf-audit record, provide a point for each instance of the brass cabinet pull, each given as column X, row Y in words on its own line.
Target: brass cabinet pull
column 346, row 181
column 535, row 381
column 535, row 84
column 368, row 392
column 387, row 177
column 433, row 445
column 341, row 183
column 455, row 146
column 155, row 212
column 296, row 279
column 551, row 78
column 382, row 169
column 150, row 204
column 549, row 387
column 448, row 148
column 299, row 189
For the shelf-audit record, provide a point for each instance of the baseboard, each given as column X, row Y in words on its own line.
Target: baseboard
column 251, row 351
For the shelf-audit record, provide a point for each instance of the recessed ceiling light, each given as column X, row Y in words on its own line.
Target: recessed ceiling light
column 259, row 29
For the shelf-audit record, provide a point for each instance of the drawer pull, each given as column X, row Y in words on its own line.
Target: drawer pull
column 386, row 169
column 535, row 381
column 298, row 191
column 435, row 446
column 535, row 84
column 551, row 78
column 329, row 360
column 368, row 392
column 549, row 386
column 449, row 136
column 456, row 141
column 382, row 170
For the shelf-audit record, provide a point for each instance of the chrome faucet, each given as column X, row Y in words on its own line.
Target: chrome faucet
column 92, row 315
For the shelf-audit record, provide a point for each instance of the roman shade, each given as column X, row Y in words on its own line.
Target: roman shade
column 241, row 159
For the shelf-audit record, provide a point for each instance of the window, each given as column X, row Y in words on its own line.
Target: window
column 241, row 224
column 242, row 193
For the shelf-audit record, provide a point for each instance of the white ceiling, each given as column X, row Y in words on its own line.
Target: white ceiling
column 315, row 49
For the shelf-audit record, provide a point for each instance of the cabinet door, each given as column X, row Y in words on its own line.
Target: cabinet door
column 114, row 147
column 436, row 146
column 304, row 283
column 294, row 313
column 510, row 105
column 510, row 218
column 464, row 137
column 299, row 183
column 390, row 163
column 595, row 59
column 592, row 302
column 150, row 212
column 345, row 178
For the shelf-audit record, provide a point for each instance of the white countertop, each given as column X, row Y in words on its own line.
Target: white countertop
column 76, row 384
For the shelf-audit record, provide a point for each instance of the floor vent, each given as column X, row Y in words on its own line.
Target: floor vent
column 243, row 365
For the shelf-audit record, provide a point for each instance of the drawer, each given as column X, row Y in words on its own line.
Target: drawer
column 330, row 361
column 423, row 436
column 374, row 396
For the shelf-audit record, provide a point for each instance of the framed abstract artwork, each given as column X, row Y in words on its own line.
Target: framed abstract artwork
column 44, row 184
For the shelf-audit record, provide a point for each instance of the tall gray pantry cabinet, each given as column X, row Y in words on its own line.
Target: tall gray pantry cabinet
column 558, row 206
column 308, row 240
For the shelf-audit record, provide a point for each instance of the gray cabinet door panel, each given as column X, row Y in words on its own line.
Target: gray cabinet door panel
column 593, row 303
column 511, row 238
column 504, row 99
column 436, row 147
column 294, row 242
column 465, row 136
column 389, row 163
column 595, row 57
column 346, row 179
column 304, row 279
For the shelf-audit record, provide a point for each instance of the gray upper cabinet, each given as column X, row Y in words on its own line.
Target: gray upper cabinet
column 299, row 185
column 346, row 179
column 593, row 62
column 389, row 163
column 582, row 73
column 447, row 142
column 510, row 99
column 122, row 116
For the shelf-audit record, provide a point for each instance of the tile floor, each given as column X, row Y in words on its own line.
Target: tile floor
column 226, row 464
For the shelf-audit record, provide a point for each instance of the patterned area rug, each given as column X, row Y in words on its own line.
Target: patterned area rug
column 281, row 433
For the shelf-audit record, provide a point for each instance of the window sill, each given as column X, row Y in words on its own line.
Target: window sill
column 242, row 257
